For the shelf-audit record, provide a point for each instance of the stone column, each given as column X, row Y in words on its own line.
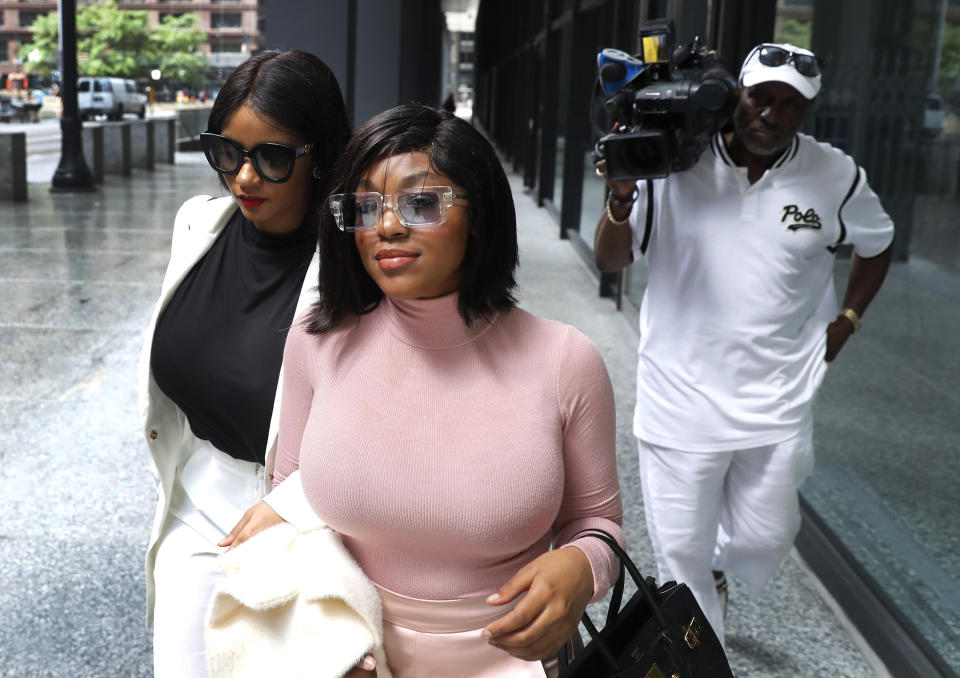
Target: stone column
column 164, row 140
column 116, row 148
column 93, row 150
column 13, row 166
column 141, row 144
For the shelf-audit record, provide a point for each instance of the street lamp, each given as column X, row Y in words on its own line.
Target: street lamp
column 155, row 74
column 72, row 173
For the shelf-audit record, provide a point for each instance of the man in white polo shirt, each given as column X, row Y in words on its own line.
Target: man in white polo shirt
column 738, row 322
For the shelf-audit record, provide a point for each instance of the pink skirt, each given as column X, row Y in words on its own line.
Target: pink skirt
column 441, row 638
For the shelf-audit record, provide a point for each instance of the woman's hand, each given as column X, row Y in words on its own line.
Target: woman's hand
column 367, row 668
column 558, row 586
column 257, row 518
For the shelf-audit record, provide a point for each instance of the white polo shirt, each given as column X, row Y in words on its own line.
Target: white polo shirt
column 740, row 291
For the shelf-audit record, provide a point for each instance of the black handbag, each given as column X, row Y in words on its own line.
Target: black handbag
column 660, row 633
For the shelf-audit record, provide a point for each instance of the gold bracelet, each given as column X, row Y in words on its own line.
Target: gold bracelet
column 853, row 317
column 613, row 220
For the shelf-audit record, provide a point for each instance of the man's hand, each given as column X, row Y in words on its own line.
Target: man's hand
column 257, row 518
column 613, row 243
column 558, row 586
column 837, row 334
column 621, row 190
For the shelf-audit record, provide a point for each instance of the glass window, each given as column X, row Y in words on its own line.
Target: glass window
column 594, row 186
column 887, row 434
column 225, row 20
column 558, row 7
column 563, row 97
column 226, row 48
column 27, row 18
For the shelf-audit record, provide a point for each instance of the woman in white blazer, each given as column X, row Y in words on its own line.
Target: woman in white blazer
column 241, row 268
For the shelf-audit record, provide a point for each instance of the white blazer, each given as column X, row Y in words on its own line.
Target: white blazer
column 198, row 223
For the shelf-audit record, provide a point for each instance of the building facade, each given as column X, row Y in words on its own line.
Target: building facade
column 383, row 52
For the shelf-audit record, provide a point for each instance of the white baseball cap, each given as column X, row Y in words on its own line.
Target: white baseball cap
column 771, row 62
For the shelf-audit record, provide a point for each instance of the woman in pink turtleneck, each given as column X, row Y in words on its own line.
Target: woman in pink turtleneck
column 456, row 443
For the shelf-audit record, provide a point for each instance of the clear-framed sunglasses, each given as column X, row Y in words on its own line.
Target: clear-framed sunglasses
column 273, row 162
column 806, row 64
column 418, row 207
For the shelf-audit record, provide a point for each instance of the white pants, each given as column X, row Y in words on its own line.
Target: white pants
column 735, row 511
column 207, row 501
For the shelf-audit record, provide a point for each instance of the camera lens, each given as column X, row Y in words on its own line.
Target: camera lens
column 645, row 153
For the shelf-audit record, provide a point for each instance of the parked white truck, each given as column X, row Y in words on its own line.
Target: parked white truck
column 112, row 97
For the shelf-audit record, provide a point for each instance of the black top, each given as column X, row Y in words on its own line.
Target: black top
column 218, row 345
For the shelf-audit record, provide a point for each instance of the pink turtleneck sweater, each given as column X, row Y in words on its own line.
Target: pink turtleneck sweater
column 449, row 457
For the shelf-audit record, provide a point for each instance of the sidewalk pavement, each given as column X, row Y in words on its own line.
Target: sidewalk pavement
column 79, row 275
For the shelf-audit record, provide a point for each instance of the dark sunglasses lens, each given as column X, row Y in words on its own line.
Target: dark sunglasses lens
column 222, row 155
column 773, row 56
column 423, row 207
column 274, row 162
column 806, row 65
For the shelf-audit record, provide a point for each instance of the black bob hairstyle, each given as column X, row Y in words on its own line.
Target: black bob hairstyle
column 457, row 151
column 300, row 93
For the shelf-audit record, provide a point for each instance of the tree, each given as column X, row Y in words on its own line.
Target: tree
column 40, row 56
column 795, row 32
column 175, row 41
column 116, row 42
column 110, row 41
column 950, row 62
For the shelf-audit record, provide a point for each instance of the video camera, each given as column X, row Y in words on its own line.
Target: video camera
column 670, row 101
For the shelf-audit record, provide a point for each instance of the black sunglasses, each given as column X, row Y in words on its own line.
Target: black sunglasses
column 806, row 64
column 273, row 162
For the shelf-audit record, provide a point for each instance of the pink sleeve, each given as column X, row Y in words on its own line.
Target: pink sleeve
column 295, row 401
column 591, row 495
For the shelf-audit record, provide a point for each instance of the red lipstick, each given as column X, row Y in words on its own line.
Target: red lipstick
column 250, row 201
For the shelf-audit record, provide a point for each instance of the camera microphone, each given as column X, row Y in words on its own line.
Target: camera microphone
column 613, row 71
column 616, row 69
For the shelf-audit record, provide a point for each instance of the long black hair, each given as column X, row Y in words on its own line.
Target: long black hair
column 457, row 151
column 298, row 91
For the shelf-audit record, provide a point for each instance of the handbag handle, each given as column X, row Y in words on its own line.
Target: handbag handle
column 625, row 562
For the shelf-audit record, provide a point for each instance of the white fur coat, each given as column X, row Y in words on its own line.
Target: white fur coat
column 292, row 604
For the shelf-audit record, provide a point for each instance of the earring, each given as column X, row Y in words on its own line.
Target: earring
column 316, row 173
